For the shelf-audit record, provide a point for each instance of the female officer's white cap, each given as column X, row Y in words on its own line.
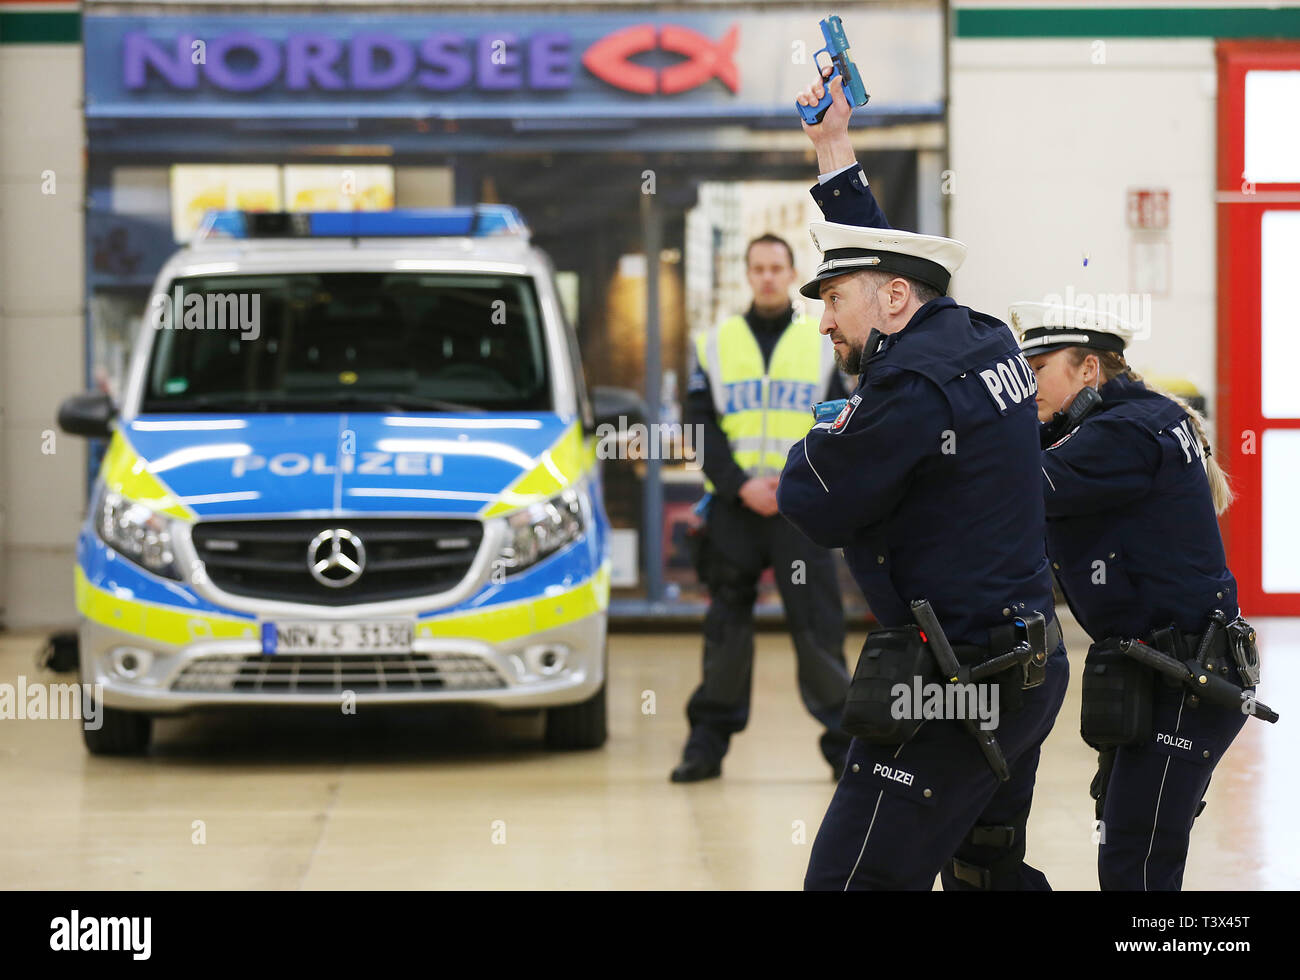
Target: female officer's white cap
column 850, row 248
column 1045, row 327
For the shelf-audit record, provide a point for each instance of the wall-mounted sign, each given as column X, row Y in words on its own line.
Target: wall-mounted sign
column 460, row 66
column 1149, row 256
column 1148, row 208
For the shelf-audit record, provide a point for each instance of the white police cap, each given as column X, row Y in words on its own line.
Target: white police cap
column 1045, row 327
column 849, row 248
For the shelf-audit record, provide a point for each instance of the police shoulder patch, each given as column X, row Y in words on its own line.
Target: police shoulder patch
column 1009, row 381
column 846, row 413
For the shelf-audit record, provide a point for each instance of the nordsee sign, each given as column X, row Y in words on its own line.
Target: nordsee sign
column 675, row 65
column 245, row 61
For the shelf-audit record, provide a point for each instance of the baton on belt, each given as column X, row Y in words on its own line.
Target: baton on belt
column 934, row 636
column 1017, row 656
column 1203, row 683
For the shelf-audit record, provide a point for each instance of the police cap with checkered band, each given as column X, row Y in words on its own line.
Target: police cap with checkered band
column 851, row 248
column 1045, row 327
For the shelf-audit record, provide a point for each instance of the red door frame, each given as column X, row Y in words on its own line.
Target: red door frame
column 1240, row 210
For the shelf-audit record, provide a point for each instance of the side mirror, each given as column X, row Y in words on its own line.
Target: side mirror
column 609, row 404
column 87, row 415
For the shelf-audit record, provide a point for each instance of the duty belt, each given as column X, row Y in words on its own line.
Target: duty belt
column 1004, row 638
column 1223, row 646
column 1184, row 645
column 1029, row 649
column 1202, row 662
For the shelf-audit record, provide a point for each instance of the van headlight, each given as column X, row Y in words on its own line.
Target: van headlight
column 542, row 529
column 136, row 532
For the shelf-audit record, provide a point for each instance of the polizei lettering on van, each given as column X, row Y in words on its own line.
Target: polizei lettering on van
column 368, row 462
column 1010, row 380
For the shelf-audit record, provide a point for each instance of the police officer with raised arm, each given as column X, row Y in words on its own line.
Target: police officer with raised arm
column 927, row 478
column 753, row 381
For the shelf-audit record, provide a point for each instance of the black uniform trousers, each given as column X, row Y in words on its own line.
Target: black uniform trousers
column 740, row 545
column 1155, row 791
column 901, row 812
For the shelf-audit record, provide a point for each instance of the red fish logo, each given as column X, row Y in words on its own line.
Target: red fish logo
column 608, row 59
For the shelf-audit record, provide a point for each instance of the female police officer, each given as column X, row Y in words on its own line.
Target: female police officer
column 1132, row 491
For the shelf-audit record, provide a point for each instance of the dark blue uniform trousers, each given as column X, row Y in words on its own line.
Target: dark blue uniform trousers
column 1155, row 790
column 742, row 544
column 895, row 822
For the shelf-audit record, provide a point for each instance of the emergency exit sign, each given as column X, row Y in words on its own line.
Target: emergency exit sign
column 1148, row 209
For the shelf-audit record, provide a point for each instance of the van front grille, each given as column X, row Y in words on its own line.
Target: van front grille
column 402, row 558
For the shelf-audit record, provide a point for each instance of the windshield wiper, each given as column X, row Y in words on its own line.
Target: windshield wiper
column 401, row 401
column 220, row 403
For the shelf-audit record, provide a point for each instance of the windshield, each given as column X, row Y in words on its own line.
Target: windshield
column 331, row 341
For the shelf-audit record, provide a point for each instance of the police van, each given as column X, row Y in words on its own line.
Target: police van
column 353, row 462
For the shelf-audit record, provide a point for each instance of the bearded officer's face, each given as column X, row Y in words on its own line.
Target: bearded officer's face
column 853, row 309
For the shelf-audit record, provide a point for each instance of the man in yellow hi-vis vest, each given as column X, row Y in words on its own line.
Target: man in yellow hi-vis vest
column 753, row 382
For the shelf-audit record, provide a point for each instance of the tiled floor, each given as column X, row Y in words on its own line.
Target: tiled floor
column 459, row 799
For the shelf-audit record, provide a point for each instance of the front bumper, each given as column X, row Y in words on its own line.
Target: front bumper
column 158, row 646
column 169, row 678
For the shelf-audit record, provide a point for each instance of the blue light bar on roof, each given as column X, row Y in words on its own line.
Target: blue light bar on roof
column 477, row 221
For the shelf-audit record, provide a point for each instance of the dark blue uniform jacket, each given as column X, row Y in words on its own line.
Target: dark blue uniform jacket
column 1131, row 528
column 929, row 479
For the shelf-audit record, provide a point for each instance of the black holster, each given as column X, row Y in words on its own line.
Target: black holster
column 1012, row 682
column 1117, row 696
column 700, row 550
column 1016, row 679
column 889, row 657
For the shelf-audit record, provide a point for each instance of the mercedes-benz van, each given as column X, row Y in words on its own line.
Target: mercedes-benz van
column 353, row 462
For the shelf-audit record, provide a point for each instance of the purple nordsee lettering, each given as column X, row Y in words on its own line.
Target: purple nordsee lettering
column 266, row 67
column 310, row 61
column 141, row 53
column 549, row 64
column 449, row 64
column 441, row 61
column 367, row 75
column 499, row 77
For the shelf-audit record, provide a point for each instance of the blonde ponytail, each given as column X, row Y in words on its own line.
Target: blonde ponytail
column 1113, row 365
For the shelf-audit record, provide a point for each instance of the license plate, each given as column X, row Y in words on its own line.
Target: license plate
column 371, row 636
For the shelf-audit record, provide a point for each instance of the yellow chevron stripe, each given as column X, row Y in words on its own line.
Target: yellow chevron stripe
column 560, row 466
column 126, row 472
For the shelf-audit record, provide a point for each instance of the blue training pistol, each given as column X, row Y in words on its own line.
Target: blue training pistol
column 837, row 48
column 828, row 411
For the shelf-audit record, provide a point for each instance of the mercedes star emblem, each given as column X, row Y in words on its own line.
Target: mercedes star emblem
column 336, row 557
